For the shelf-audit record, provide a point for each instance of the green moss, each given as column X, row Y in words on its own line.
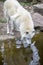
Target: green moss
column 2, row 21
column 2, row 0
column 25, row 3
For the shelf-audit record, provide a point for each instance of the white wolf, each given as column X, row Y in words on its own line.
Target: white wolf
column 16, row 14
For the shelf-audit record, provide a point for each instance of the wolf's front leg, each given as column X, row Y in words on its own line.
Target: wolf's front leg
column 18, row 43
column 8, row 29
column 11, row 27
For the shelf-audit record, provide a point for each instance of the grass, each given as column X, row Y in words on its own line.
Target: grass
column 2, row 21
column 25, row 3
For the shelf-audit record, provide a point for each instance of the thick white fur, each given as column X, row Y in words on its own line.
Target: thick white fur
column 21, row 17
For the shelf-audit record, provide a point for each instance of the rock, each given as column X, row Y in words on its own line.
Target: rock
column 41, row 29
column 38, row 8
column 41, row 1
column 37, row 15
column 6, row 37
column 1, row 10
column 38, row 20
column 3, row 28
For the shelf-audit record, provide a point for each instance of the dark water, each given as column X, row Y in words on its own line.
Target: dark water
column 39, row 44
column 12, row 56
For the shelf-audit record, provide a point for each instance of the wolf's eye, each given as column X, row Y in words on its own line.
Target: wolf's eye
column 26, row 32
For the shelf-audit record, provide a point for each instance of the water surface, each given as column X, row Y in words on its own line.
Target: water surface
column 13, row 56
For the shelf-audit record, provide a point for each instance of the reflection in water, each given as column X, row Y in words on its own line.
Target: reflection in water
column 26, row 43
column 12, row 56
column 36, row 58
column 18, row 43
column 2, row 48
column 3, row 56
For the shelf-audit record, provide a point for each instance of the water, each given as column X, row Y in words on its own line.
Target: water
column 3, row 56
column 10, row 55
column 35, row 57
column 39, row 44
